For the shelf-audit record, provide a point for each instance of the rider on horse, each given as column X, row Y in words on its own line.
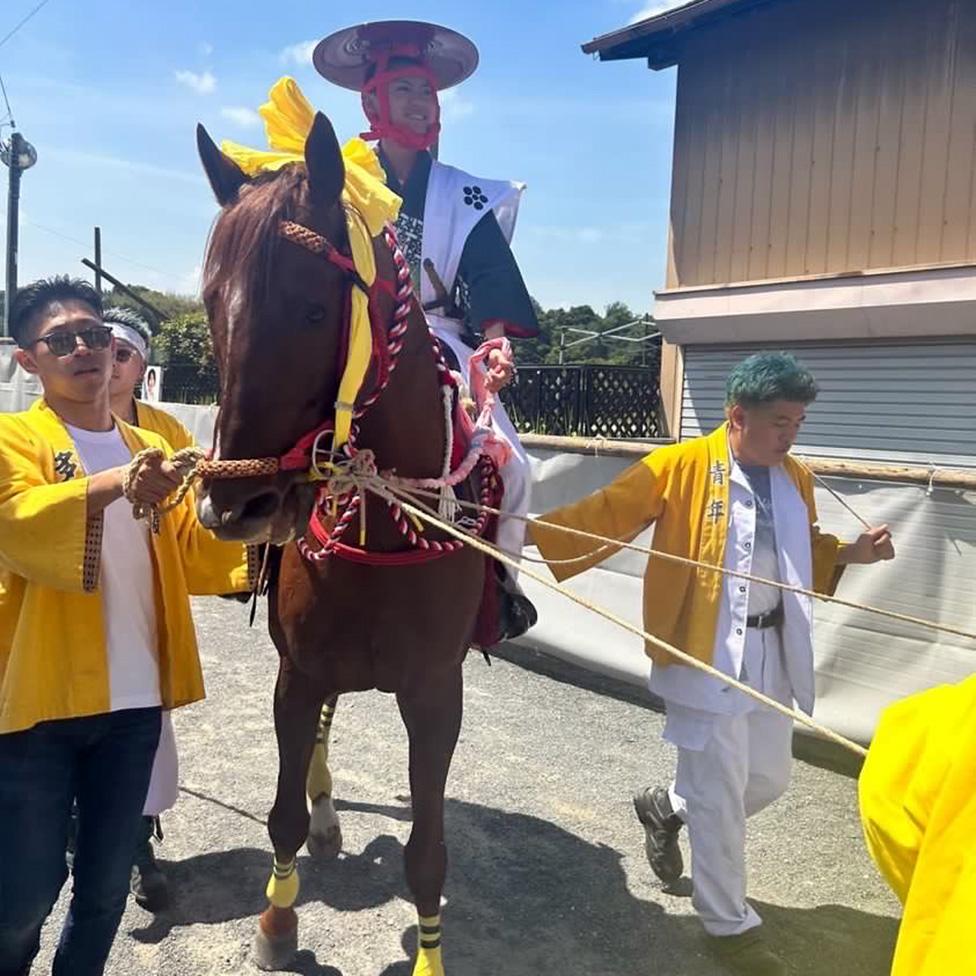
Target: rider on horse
column 454, row 228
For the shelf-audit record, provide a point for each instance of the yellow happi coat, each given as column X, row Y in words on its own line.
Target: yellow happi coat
column 165, row 424
column 53, row 659
column 918, row 806
column 684, row 490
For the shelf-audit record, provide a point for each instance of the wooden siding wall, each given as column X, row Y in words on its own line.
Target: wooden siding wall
column 825, row 136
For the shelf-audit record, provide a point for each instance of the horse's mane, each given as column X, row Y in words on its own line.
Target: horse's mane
column 244, row 240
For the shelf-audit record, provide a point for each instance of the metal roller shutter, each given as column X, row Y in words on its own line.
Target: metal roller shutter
column 904, row 402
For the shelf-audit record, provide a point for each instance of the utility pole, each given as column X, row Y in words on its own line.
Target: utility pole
column 17, row 155
column 159, row 316
column 98, row 261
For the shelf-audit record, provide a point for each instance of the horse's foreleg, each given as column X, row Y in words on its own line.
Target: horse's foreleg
column 324, row 832
column 296, row 710
column 433, row 720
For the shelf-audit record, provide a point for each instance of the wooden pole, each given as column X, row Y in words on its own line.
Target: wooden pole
column 826, row 467
column 157, row 314
column 98, row 261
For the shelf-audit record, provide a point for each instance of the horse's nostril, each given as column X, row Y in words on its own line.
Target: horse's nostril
column 260, row 506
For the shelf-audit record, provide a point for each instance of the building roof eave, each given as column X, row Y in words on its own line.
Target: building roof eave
column 655, row 37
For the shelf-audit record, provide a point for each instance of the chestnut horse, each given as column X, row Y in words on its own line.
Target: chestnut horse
column 278, row 313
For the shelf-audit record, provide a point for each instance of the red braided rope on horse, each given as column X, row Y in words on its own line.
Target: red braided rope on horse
column 424, row 549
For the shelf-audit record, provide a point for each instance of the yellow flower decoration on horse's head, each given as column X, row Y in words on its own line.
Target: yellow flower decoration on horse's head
column 370, row 205
column 288, row 118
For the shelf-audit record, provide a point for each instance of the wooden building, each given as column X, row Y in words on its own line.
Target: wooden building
column 823, row 201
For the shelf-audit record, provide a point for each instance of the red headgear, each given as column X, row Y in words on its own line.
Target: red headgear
column 383, row 126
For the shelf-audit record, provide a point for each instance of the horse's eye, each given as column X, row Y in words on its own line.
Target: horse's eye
column 315, row 314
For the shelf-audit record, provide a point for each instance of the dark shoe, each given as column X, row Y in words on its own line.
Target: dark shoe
column 69, row 853
column 661, row 828
column 747, row 955
column 516, row 610
column 148, row 883
column 518, row 615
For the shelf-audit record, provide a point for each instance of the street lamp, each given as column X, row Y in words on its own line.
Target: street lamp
column 17, row 155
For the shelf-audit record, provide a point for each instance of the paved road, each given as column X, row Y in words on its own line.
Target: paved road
column 547, row 870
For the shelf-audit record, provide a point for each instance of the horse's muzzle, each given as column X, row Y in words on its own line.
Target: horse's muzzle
column 243, row 512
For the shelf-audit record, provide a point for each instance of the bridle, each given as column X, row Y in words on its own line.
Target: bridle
column 340, row 494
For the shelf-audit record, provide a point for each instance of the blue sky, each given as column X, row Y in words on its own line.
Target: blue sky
column 109, row 93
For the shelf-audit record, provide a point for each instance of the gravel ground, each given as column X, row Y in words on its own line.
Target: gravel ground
column 547, row 871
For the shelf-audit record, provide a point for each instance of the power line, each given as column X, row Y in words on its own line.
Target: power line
column 10, row 111
column 87, row 244
column 43, row 3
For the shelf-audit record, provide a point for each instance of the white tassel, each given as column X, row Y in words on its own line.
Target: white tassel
column 447, row 506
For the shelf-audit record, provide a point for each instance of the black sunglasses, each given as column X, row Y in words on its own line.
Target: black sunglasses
column 65, row 343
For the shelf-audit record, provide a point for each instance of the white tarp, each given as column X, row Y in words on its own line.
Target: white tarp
column 863, row 661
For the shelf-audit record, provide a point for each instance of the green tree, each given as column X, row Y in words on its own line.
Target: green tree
column 532, row 352
column 185, row 339
column 184, row 346
column 170, row 306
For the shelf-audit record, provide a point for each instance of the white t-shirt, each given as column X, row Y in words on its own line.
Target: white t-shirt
column 128, row 582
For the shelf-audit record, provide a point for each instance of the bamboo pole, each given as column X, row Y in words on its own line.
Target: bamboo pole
column 826, row 467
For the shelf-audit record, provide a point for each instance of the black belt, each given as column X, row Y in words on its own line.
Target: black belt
column 762, row 621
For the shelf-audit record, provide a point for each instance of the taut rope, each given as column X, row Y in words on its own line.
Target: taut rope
column 685, row 658
column 608, row 543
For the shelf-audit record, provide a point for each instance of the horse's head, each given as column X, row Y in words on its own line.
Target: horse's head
column 276, row 314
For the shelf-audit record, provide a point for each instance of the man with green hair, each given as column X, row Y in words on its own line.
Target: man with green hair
column 734, row 499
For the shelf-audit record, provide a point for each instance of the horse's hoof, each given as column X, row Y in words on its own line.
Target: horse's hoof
column 275, row 946
column 324, row 833
column 325, row 847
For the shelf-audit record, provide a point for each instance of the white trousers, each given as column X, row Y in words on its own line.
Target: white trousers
column 729, row 767
column 517, row 474
column 164, row 784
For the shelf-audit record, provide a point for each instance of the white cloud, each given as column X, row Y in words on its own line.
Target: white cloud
column 454, row 106
column 588, row 234
column 189, row 283
column 246, row 118
column 202, row 84
column 657, row 7
column 130, row 166
column 298, row 54
column 206, row 48
column 568, row 235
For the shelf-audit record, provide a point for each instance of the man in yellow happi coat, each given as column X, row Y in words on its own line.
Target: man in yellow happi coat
column 734, row 499
column 96, row 636
column 149, row 884
column 918, row 805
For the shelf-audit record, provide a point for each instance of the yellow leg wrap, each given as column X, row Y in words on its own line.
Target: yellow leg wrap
column 282, row 890
column 429, row 947
column 319, row 782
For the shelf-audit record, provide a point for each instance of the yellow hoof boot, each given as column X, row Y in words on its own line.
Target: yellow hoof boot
column 282, row 890
column 429, row 947
column 428, row 962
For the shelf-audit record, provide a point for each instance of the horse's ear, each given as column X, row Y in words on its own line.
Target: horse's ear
column 226, row 177
column 323, row 160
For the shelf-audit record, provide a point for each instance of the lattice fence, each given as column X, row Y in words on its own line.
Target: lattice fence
column 190, row 383
column 620, row 402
